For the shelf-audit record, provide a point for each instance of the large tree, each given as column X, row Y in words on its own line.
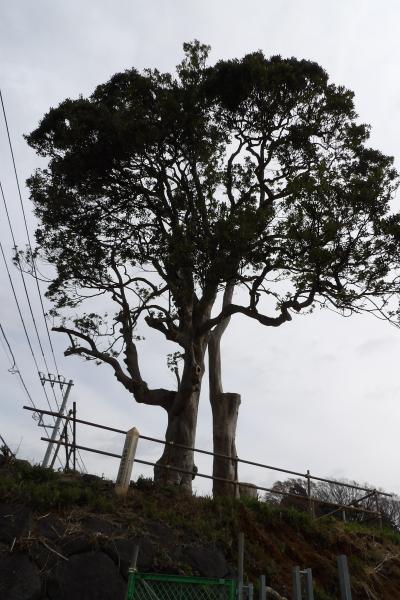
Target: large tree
column 162, row 190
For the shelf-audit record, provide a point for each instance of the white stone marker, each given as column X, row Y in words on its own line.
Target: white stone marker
column 126, row 464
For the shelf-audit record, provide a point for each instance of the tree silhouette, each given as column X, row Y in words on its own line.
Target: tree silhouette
column 163, row 190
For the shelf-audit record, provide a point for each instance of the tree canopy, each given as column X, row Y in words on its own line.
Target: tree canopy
column 162, row 189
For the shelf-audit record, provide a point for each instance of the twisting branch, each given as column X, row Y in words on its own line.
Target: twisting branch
column 284, row 316
column 233, row 309
column 137, row 387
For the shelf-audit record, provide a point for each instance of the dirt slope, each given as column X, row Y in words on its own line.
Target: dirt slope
column 68, row 538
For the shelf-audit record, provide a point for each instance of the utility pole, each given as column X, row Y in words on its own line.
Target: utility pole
column 6, row 447
column 53, row 380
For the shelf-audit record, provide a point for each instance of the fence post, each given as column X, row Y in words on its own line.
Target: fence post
column 74, row 435
column 296, row 580
column 263, row 588
column 127, row 460
column 377, row 508
column 240, row 565
column 250, row 591
column 310, row 502
column 344, row 578
column 309, row 584
column 133, row 565
column 237, row 491
column 66, row 442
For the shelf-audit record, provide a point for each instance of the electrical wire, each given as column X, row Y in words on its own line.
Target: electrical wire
column 18, row 306
column 24, row 284
column 27, row 231
column 15, row 370
column 34, row 270
column 23, row 321
column 26, row 292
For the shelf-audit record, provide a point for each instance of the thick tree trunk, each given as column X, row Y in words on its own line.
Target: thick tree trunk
column 181, row 429
column 225, row 409
column 176, row 464
column 182, row 422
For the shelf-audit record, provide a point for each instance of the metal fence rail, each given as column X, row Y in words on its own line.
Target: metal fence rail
column 151, row 586
column 307, row 475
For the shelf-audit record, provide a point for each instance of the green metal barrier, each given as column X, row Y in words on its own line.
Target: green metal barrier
column 150, row 586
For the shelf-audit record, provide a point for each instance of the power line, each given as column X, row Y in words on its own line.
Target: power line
column 15, row 370
column 23, row 280
column 25, row 287
column 26, row 335
column 33, row 266
column 18, row 306
column 27, row 231
column 22, row 275
column 22, row 321
column 26, row 291
column 8, row 352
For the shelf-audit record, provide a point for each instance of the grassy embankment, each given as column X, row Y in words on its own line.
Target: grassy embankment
column 276, row 538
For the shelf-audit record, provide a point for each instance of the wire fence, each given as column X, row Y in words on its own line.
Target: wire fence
column 151, row 586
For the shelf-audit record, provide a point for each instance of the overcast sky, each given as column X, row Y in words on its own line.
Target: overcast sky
column 319, row 393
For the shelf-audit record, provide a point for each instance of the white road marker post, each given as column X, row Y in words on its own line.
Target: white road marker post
column 127, row 460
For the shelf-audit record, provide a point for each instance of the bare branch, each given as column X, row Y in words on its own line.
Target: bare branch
column 139, row 388
column 219, row 330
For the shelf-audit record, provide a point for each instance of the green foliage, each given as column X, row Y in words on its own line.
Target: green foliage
column 44, row 488
column 35, row 473
column 298, row 519
column 393, row 536
column 144, row 483
column 163, row 187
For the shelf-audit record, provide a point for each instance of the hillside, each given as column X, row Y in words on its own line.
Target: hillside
column 66, row 537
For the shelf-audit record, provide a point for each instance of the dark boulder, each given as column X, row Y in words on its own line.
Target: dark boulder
column 49, row 527
column 19, row 578
column 86, row 576
column 98, row 525
column 208, row 562
column 44, row 558
column 76, row 544
column 14, row 522
column 121, row 552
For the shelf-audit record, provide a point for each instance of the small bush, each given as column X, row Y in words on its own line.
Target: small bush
column 298, row 519
column 144, row 483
